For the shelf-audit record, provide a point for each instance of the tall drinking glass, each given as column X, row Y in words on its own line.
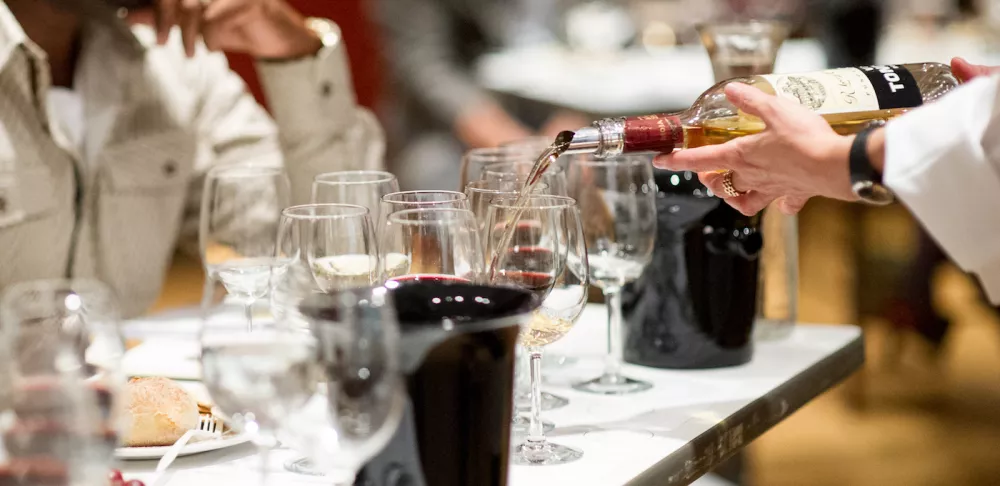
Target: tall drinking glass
column 546, row 255
column 617, row 198
column 359, row 187
column 240, row 208
column 61, row 382
column 431, row 244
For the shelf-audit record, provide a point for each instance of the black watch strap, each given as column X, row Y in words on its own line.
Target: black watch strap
column 866, row 182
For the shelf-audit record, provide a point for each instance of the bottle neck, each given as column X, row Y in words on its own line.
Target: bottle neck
column 614, row 136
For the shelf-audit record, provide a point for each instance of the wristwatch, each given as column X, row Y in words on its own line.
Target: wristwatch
column 866, row 182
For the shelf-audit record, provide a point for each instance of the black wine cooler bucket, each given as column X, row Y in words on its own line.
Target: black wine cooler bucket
column 694, row 305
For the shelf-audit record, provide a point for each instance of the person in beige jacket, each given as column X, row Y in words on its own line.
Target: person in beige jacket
column 106, row 130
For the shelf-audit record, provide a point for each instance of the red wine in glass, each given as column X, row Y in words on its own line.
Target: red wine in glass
column 430, row 277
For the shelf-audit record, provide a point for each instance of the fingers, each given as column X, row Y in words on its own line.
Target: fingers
column 750, row 203
column 190, row 21
column 964, row 70
column 752, row 100
column 791, row 205
column 713, row 181
column 166, row 18
column 727, row 156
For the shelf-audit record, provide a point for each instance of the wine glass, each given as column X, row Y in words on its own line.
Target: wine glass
column 401, row 201
column 240, row 208
column 358, row 337
column 336, row 242
column 440, row 244
column 475, row 160
column 62, row 354
column 361, row 187
column 554, row 177
column 539, row 246
column 258, row 378
column 618, row 198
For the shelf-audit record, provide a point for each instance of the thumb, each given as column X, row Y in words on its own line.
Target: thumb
column 752, row 100
column 964, row 70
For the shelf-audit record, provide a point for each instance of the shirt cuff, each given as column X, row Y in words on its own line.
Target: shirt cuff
column 310, row 94
column 936, row 165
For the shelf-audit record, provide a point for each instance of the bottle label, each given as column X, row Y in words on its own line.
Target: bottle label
column 652, row 133
column 849, row 90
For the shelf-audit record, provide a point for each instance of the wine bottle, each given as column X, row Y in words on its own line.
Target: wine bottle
column 848, row 98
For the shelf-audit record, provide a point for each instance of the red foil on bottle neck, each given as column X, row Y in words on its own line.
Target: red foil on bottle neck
column 653, row 133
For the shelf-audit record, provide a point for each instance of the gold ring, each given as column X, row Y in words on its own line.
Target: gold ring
column 727, row 185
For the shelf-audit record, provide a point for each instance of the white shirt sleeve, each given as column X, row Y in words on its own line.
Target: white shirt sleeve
column 943, row 162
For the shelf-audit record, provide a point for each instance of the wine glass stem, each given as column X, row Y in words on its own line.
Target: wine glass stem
column 263, row 456
column 248, row 308
column 536, row 434
column 612, row 362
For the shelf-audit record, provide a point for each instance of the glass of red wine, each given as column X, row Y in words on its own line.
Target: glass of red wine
column 61, row 382
column 618, row 197
column 537, row 244
column 438, row 244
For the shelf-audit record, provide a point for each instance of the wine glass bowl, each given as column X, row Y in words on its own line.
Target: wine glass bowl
column 618, row 198
column 401, row 201
column 359, row 187
column 431, row 244
column 240, row 211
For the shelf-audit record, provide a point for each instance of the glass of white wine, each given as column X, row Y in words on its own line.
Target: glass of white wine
column 618, row 197
column 240, row 208
column 545, row 253
column 326, row 248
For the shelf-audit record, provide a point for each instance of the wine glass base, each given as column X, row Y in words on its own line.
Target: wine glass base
column 304, row 466
column 613, row 385
column 522, row 403
column 544, row 454
column 519, row 426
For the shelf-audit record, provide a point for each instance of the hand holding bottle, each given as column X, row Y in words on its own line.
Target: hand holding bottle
column 797, row 157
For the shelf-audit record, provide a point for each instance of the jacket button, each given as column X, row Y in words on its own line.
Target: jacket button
column 326, row 88
column 169, row 168
column 3, row 204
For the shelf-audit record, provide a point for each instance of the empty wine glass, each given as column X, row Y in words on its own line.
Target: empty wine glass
column 401, row 201
column 554, row 177
column 258, row 378
column 617, row 197
column 540, row 247
column 240, row 208
column 475, row 160
column 358, row 337
column 60, row 382
column 431, row 244
column 360, row 187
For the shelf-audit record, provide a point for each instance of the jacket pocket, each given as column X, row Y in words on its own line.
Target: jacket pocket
column 143, row 186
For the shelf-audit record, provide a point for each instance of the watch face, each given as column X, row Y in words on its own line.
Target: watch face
column 873, row 193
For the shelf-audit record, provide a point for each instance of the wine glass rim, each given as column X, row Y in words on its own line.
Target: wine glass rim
column 620, row 161
column 342, row 177
column 244, row 169
column 391, row 197
column 559, row 202
column 473, row 186
column 488, row 168
column 742, row 26
column 402, row 217
column 495, row 155
column 324, row 211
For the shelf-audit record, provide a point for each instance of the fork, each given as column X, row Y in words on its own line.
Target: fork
column 209, row 427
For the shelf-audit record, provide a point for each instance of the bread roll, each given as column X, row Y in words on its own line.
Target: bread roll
column 160, row 412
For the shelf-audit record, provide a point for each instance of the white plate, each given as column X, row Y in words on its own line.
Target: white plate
column 140, row 453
